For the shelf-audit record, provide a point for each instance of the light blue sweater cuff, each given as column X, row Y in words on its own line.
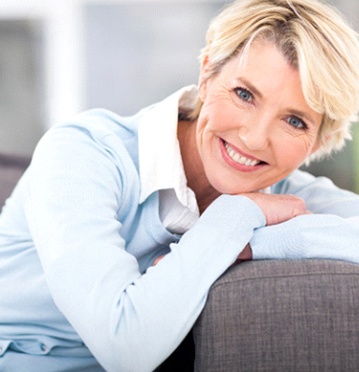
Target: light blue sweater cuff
column 308, row 236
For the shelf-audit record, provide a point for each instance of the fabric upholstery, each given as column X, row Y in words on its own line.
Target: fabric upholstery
column 11, row 169
column 281, row 316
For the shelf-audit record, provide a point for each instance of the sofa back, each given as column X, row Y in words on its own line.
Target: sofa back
column 11, row 169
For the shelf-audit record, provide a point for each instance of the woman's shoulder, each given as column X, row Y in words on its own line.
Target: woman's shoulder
column 95, row 143
column 101, row 123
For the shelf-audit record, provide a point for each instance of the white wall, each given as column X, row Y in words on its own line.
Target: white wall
column 64, row 53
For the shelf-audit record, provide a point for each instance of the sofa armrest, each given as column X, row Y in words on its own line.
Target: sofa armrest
column 281, row 316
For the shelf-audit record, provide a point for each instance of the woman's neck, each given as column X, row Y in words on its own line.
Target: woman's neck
column 193, row 167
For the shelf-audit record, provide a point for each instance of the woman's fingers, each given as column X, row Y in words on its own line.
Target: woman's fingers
column 278, row 208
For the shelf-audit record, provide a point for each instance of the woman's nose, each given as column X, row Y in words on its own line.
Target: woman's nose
column 254, row 135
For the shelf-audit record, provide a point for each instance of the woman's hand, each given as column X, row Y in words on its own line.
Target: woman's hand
column 245, row 255
column 278, row 208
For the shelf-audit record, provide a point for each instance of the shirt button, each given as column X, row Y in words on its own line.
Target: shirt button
column 43, row 347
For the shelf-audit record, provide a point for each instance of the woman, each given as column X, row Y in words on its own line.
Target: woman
column 121, row 224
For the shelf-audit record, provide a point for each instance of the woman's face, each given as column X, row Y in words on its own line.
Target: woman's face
column 255, row 126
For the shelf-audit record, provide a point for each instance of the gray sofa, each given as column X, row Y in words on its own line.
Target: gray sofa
column 265, row 315
column 281, row 316
column 11, row 169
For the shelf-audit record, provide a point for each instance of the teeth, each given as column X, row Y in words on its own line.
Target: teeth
column 239, row 158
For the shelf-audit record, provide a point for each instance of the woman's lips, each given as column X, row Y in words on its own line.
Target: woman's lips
column 239, row 158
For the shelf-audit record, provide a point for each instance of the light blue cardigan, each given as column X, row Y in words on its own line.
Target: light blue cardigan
column 76, row 249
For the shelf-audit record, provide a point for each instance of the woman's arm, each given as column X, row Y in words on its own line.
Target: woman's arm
column 129, row 321
column 331, row 232
column 320, row 194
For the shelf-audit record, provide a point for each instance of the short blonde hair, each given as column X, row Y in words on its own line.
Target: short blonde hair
column 315, row 39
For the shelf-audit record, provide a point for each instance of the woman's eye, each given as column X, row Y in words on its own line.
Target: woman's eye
column 295, row 122
column 244, row 94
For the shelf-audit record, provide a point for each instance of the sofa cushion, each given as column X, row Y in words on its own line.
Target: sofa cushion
column 281, row 316
column 11, row 169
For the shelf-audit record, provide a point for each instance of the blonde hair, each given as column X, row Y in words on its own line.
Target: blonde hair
column 314, row 38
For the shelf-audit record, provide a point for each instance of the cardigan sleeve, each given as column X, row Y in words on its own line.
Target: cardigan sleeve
column 331, row 232
column 130, row 321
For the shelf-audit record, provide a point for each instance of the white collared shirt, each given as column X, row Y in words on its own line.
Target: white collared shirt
column 161, row 166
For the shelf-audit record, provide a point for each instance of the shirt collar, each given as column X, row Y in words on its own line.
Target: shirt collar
column 160, row 158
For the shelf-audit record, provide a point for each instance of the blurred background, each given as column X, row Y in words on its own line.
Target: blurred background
column 60, row 57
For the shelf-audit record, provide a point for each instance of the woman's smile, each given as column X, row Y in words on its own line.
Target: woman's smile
column 237, row 159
